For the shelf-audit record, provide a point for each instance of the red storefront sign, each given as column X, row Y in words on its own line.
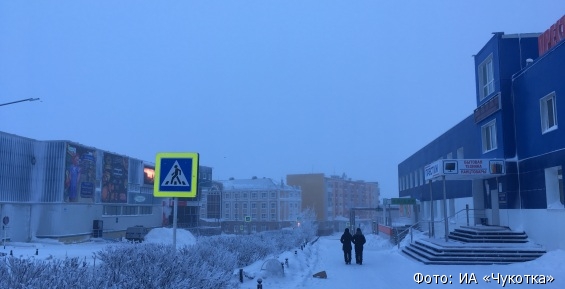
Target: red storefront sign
column 551, row 36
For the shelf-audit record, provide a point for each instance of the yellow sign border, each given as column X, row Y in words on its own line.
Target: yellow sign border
column 194, row 177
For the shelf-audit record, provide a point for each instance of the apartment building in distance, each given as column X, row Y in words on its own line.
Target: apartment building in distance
column 332, row 197
column 256, row 205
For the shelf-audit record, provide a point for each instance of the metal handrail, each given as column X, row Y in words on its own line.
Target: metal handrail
column 439, row 221
column 411, row 227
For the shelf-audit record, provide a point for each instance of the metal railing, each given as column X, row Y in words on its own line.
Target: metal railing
column 454, row 221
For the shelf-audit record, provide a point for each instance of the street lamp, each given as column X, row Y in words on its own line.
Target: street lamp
column 22, row 100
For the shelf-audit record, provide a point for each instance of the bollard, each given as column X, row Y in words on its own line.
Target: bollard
column 241, row 275
column 36, row 251
column 259, row 285
column 286, row 262
column 282, row 265
column 11, row 253
column 295, row 252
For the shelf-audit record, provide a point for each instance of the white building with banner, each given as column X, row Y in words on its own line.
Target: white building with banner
column 71, row 192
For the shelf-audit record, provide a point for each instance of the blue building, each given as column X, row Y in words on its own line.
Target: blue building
column 520, row 85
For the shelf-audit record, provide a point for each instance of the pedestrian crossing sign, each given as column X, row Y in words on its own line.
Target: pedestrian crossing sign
column 176, row 175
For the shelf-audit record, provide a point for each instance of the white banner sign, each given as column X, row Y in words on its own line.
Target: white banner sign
column 465, row 169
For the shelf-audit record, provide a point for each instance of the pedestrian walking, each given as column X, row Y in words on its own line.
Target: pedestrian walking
column 359, row 240
column 346, row 239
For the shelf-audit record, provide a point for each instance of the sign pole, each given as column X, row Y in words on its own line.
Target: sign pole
column 175, row 206
column 445, row 210
column 432, row 233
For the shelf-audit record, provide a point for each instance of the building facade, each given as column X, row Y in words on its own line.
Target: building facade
column 65, row 190
column 256, row 205
column 332, row 197
column 519, row 95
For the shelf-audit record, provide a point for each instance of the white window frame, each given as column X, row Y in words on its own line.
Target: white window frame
column 486, row 77
column 548, row 113
column 488, row 136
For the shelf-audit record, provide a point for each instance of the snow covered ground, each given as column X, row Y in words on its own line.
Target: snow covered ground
column 383, row 265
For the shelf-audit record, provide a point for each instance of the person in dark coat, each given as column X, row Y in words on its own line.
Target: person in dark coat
column 346, row 247
column 359, row 240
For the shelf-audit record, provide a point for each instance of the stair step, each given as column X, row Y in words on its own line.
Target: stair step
column 478, row 247
column 487, row 240
column 471, row 258
column 475, row 245
column 496, row 253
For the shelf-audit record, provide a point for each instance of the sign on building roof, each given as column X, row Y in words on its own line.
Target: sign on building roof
column 465, row 169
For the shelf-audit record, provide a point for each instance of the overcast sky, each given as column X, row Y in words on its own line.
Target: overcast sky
column 258, row 88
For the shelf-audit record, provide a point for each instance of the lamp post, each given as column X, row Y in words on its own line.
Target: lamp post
column 21, row 100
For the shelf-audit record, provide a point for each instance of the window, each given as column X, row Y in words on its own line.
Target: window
column 547, row 111
column 129, row 210
column 245, row 205
column 486, row 78
column 227, row 205
column 254, row 216
column 145, row 210
column 273, row 195
column 112, row 210
column 227, row 196
column 460, row 153
column 263, row 216
column 263, row 205
column 273, row 205
column 273, row 217
column 264, row 195
column 254, row 195
column 254, row 205
column 488, row 132
column 245, row 195
column 227, row 216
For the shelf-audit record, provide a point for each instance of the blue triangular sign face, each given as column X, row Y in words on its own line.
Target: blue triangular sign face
column 175, row 177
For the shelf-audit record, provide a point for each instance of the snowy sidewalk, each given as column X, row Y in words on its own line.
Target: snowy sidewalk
column 385, row 267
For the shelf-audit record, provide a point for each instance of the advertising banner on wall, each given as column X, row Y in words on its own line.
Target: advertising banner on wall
column 80, row 174
column 148, row 175
column 114, row 179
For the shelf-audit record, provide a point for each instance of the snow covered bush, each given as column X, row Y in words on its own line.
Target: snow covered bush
column 209, row 263
column 16, row 273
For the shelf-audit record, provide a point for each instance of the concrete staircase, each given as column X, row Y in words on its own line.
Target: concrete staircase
column 479, row 245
